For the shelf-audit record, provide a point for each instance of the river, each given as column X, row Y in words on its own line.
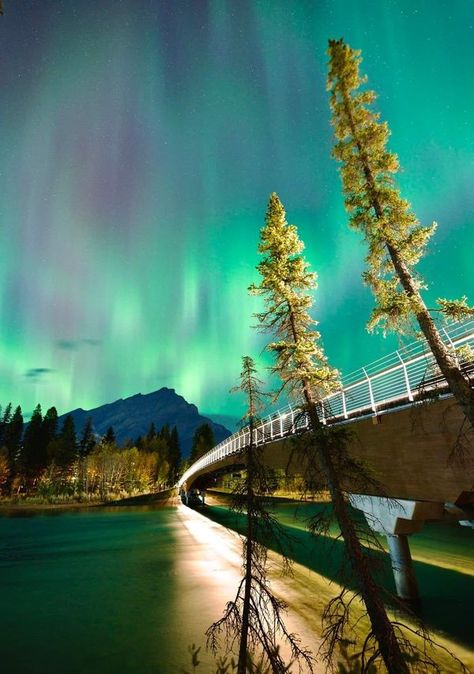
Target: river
column 107, row 590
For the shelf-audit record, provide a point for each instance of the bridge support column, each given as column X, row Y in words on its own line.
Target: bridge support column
column 402, row 567
column 397, row 520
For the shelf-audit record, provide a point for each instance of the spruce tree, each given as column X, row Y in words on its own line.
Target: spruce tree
column 63, row 449
column 152, row 434
column 50, row 425
column 109, row 437
column 13, row 434
column 203, row 441
column 396, row 241
column 165, row 433
column 7, row 414
column 300, row 362
column 33, row 456
column 87, row 441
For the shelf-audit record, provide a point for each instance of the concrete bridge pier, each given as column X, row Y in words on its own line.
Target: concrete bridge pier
column 402, row 567
column 397, row 520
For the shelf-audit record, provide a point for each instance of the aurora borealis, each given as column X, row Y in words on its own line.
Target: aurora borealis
column 139, row 142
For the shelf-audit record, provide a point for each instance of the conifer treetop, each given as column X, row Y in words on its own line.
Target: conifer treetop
column 286, row 287
column 251, row 386
column 372, row 197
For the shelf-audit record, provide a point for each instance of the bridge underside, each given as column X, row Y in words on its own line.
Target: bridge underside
column 424, row 452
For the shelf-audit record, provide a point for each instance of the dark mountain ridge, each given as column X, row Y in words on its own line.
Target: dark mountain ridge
column 132, row 417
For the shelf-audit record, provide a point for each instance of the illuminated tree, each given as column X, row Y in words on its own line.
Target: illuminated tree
column 4, row 469
column 286, row 288
column 395, row 239
column 254, row 618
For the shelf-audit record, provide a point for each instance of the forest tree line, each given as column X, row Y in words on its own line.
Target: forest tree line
column 53, row 460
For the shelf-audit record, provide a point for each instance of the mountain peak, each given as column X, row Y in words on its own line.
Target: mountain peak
column 131, row 417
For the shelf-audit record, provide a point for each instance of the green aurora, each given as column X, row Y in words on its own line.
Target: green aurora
column 140, row 140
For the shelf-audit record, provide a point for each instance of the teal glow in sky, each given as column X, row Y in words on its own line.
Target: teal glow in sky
column 139, row 141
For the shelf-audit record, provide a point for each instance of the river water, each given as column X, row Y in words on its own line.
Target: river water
column 108, row 590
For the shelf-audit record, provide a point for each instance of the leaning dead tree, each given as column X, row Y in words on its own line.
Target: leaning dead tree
column 254, row 618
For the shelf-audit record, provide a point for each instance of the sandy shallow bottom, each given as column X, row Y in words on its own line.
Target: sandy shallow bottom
column 214, row 562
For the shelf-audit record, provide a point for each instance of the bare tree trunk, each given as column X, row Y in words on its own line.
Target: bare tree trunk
column 383, row 629
column 458, row 383
column 243, row 645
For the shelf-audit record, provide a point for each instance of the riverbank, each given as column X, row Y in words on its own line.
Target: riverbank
column 72, row 503
column 34, row 503
column 278, row 496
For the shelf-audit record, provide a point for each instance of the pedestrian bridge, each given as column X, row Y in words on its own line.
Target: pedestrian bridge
column 405, row 425
column 405, row 428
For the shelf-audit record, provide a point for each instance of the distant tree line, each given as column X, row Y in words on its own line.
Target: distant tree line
column 50, row 460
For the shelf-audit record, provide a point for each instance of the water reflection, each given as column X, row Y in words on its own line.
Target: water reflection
column 209, row 573
column 127, row 589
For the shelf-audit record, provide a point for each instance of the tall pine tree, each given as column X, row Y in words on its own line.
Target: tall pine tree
column 63, row 449
column 301, row 364
column 395, row 239
column 152, row 434
column 7, row 415
column 203, row 441
column 87, row 441
column 109, row 437
column 13, row 434
column 50, row 425
column 33, row 456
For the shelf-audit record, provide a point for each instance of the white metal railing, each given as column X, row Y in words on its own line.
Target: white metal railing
column 394, row 380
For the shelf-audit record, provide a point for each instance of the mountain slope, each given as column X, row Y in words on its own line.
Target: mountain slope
column 131, row 417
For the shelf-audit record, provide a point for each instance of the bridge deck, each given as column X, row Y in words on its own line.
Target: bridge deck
column 421, row 425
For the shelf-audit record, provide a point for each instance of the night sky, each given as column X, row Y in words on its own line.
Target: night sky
column 139, row 142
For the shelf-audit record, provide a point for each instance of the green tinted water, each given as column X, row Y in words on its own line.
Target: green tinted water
column 91, row 591
column 126, row 590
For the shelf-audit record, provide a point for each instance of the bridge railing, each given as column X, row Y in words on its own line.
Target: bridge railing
column 402, row 377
